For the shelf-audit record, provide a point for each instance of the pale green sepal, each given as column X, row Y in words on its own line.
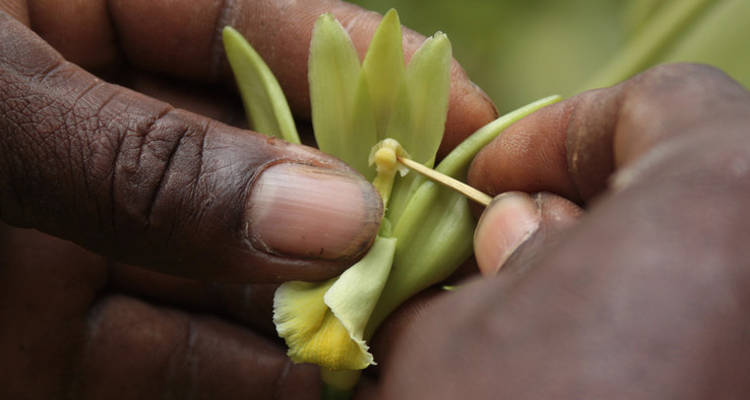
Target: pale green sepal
column 420, row 111
column 385, row 69
column 354, row 295
column 419, row 114
column 334, row 75
column 403, row 188
column 265, row 105
column 355, row 147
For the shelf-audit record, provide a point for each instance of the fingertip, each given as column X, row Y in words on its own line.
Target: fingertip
column 309, row 212
column 507, row 222
column 514, row 220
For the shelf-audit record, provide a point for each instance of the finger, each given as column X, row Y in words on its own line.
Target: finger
column 573, row 147
column 55, row 346
column 185, row 41
column 136, row 350
column 403, row 319
column 16, row 9
column 518, row 226
column 135, row 179
column 666, row 255
column 663, row 253
column 249, row 305
column 46, row 286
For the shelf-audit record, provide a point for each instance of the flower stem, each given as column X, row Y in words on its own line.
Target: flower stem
column 338, row 385
column 331, row 393
column 654, row 38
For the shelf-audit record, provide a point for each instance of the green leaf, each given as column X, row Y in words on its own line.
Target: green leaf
column 265, row 105
column 656, row 36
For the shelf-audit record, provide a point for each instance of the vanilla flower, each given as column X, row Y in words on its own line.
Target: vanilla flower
column 427, row 229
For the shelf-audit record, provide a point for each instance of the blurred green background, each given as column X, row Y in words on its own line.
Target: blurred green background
column 521, row 50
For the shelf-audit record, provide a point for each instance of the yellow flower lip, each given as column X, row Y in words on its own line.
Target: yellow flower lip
column 324, row 323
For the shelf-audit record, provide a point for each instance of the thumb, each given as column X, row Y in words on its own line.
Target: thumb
column 516, row 229
column 132, row 178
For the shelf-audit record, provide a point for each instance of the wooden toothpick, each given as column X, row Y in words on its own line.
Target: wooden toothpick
column 446, row 180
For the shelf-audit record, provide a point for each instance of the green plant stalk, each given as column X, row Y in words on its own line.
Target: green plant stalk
column 659, row 32
column 716, row 39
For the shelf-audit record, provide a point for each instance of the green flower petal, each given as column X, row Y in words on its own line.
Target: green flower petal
column 341, row 106
column 323, row 323
column 265, row 105
column 385, row 70
column 418, row 119
column 353, row 297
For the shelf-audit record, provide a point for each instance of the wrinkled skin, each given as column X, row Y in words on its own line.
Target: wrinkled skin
column 646, row 295
column 151, row 172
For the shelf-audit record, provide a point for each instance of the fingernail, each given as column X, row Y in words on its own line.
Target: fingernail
column 310, row 212
column 508, row 222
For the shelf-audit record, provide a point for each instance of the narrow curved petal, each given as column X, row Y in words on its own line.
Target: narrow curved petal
column 342, row 115
column 265, row 104
column 421, row 108
column 385, row 69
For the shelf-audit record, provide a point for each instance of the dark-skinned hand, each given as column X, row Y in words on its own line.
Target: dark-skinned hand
column 96, row 177
column 645, row 295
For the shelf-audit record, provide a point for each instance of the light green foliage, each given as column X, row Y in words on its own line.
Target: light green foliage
column 518, row 50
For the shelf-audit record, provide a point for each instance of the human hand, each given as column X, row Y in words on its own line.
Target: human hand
column 138, row 181
column 643, row 297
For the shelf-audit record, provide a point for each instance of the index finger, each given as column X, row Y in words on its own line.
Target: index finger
column 572, row 148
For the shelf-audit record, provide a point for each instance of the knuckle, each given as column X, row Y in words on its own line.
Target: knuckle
column 156, row 165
